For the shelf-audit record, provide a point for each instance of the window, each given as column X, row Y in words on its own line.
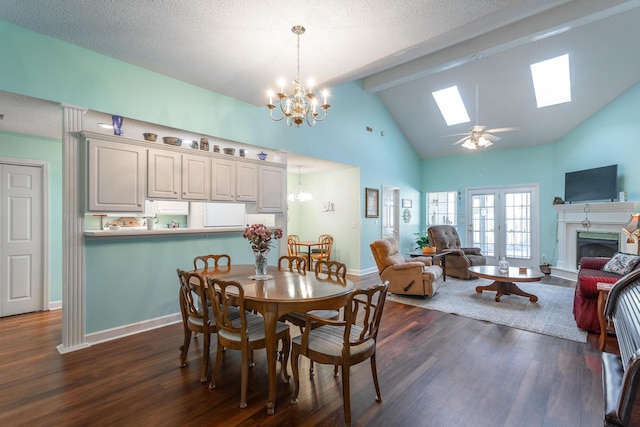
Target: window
column 451, row 105
column 552, row 81
column 442, row 208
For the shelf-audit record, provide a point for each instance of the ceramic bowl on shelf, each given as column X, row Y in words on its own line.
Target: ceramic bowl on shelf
column 262, row 155
column 171, row 140
column 230, row 151
column 150, row 136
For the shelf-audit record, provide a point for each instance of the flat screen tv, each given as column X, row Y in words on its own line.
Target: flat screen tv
column 590, row 185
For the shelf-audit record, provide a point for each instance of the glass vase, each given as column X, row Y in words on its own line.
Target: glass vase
column 261, row 263
column 503, row 265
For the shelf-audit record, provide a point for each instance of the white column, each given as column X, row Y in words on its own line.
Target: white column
column 72, row 232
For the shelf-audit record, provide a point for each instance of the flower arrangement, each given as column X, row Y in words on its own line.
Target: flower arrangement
column 260, row 236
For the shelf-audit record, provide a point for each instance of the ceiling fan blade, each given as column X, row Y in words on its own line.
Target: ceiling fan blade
column 492, row 138
column 503, row 129
column 461, row 139
column 455, row 134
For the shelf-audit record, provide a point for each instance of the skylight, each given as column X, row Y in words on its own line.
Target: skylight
column 451, row 105
column 551, row 81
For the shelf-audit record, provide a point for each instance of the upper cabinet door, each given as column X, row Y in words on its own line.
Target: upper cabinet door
column 223, row 180
column 246, row 182
column 163, row 174
column 195, row 177
column 116, row 177
column 273, row 189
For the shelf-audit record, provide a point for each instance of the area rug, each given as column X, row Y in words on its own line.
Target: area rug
column 551, row 315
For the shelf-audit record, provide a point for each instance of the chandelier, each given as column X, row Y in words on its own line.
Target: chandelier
column 299, row 194
column 302, row 104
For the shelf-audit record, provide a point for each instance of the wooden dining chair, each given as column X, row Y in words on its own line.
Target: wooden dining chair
column 245, row 333
column 292, row 248
column 344, row 343
column 324, row 252
column 320, row 239
column 296, row 264
column 324, row 270
column 194, row 319
column 333, row 269
column 212, row 261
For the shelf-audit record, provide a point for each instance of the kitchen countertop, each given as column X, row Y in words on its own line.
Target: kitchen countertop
column 143, row 232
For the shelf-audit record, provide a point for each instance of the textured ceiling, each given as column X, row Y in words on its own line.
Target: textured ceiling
column 403, row 49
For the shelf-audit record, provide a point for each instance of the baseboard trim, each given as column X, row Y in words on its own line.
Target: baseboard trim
column 131, row 329
column 564, row 273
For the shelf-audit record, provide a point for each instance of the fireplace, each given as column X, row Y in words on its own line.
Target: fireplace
column 597, row 218
column 596, row 244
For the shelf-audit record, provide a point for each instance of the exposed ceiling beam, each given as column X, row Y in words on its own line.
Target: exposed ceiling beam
column 563, row 18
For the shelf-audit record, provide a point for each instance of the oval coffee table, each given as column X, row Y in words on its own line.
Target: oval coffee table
column 504, row 282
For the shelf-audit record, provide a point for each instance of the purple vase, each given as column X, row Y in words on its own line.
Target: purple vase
column 117, row 125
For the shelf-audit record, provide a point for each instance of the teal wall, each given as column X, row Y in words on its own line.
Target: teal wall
column 43, row 67
column 610, row 136
column 127, row 273
column 50, row 151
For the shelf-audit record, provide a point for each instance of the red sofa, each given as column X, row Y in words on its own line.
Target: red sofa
column 585, row 301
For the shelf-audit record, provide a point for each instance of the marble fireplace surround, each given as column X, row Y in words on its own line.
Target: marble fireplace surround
column 604, row 217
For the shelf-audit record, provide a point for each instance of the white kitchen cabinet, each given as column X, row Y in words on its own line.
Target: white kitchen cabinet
column 170, row 207
column 223, row 180
column 172, row 175
column 196, row 171
column 163, row 174
column 246, row 182
column 116, row 177
column 273, row 188
column 165, row 207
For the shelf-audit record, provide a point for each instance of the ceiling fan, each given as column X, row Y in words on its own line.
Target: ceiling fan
column 479, row 135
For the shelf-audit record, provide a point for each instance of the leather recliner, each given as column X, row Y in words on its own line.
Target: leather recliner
column 458, row 259
column 414, row 276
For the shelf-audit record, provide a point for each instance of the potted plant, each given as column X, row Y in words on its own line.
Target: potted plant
column 545, row 266
column 423, row 243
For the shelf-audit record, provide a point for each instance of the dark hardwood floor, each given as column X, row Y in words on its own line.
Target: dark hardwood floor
column 435, row 369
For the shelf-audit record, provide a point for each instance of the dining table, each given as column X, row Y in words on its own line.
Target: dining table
column 281, row 293
column 309, row 244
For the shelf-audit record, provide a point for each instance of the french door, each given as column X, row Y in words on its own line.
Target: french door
column 390, row 212
column 504, row 222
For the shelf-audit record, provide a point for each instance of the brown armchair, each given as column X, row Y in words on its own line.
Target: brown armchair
column 415, row 276
column 458, row 259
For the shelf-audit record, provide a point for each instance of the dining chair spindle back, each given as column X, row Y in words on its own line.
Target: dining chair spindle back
column 212, row 261
column 194, row 318
column 245, row 333
column 297, row 264
column 344, row 343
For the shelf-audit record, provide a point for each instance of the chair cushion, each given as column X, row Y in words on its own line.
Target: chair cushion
column 329, row 339
column 621, row 263
column 255, row 327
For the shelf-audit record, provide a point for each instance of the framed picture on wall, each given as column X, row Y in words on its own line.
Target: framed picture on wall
column 407, row 203
column 372, row 197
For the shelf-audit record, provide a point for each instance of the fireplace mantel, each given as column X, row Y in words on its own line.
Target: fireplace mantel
column 604, row 217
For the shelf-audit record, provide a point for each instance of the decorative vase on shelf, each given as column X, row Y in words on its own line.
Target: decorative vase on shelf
column 261, row 263
column 503, row 265
column 117, row 125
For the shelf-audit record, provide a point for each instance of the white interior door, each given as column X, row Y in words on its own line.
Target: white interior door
column 390, row 213
column 504, row 222
column 22, row 239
